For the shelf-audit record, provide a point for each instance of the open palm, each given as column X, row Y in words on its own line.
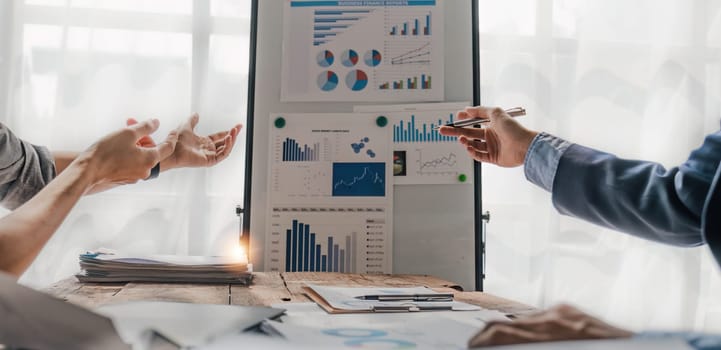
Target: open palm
column 193, row 150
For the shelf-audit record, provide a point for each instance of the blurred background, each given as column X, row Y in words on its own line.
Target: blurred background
column 641, row 79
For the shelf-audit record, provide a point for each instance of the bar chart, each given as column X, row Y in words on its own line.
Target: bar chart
column 328, row 239
column 305, row 252
column 413, row 27
column 295, row 152
column 407, row 130
column 328, row 24
column 411, row 83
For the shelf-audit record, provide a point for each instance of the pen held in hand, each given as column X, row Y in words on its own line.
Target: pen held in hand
column 513, row 112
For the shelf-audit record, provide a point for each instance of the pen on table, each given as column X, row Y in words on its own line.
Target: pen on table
column 513, row 112
column 408, row 297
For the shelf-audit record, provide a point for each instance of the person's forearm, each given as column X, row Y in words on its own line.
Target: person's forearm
column 63, row 159
column 24, row 232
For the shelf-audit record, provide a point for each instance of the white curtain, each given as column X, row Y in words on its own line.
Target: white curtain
column 74, row 70
column 641, row 79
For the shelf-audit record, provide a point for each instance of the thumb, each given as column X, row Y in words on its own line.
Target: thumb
column 167, row 147
column 193, row 120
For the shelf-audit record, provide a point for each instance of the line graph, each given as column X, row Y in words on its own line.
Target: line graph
column 437, row 163
column 358, row 179
column 448, row 161
column 419, row 55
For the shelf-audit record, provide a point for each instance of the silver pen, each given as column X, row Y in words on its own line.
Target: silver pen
column 408, row 297
column 513, row 112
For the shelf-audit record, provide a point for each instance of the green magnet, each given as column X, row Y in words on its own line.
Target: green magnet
column 462, row 178
column 381, row 121
column 279, row 122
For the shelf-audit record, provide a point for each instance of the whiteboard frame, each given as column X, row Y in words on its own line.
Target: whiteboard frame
column 255, row 198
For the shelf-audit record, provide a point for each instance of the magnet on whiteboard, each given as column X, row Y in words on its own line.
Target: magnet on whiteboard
column 279, row 122
column 462, row 178
column 381, row 121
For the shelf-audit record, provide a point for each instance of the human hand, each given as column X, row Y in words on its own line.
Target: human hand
column 562, row 322
column 193, row 150
column 503, row 142
column 123, row 157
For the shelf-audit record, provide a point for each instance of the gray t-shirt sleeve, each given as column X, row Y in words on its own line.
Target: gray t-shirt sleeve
column 24, row 169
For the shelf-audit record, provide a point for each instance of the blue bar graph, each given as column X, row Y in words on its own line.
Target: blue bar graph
column 304, row 251
column 330, row 23
column 294, row 152
column 408, row 131
column 416, row 31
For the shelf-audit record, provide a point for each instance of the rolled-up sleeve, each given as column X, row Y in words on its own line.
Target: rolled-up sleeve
column 24, row 169
column 542, row 159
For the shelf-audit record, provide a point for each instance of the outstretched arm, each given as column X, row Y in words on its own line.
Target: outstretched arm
column 114, row 160
column 634, row 196
column 193, row 150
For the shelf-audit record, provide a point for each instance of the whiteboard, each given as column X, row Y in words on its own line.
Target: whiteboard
column 433, row 225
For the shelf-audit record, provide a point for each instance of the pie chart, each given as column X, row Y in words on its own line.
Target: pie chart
column 356, row 80
column 325, row 58
column 327, row 81
column 372, row 58
column 349, row 58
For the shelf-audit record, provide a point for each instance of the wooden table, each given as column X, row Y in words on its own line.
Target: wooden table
column 268, row 288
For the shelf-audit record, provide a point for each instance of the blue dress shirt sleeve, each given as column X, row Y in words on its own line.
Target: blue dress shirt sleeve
column 638, row 197
column 542, row 159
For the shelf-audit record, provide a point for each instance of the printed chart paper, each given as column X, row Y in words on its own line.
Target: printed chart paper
column 348, row 50
column 421, row 155
column 330, row 194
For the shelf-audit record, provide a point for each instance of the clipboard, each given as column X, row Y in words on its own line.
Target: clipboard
column 355, row 306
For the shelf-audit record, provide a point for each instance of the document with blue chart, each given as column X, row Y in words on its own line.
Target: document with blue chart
column 347, row 50
column 330, row 193
column 421, row 155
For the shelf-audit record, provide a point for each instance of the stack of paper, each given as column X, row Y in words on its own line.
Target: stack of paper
column 105, row 267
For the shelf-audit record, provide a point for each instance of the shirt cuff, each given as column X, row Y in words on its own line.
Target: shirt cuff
column 542, row 159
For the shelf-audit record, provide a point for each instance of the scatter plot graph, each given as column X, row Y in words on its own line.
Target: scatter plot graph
column 360, row 145
column 359, row 179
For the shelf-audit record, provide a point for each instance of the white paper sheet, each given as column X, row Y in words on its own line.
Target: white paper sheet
column 422, row 156
column 350, row 50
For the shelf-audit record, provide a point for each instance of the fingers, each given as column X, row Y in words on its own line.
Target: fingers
column 483, row 157
column 193, row 120
column 234, row 131
column 474, row 133
column 477, row 145
column 145, row 128
column 167, row 147
column 502, row 334
column 224, row 150
column 145, row 141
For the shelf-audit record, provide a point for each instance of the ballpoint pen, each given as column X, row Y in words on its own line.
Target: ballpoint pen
column 513, row 112
column 408, row 297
